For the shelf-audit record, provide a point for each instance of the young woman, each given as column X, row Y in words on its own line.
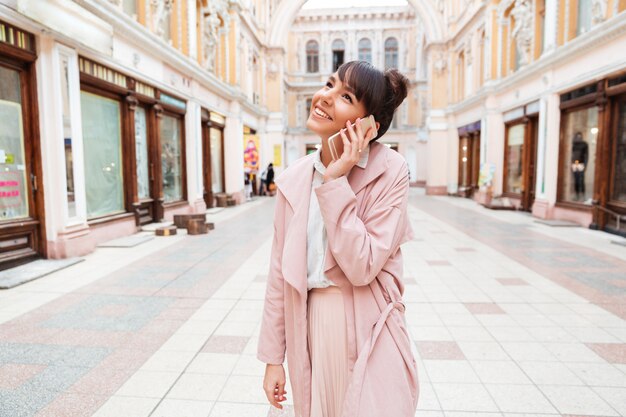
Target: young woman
column 333, row 301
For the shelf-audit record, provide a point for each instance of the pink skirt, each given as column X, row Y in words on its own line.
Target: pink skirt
column 328, row 347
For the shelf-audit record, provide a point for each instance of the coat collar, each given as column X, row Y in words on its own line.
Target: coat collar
column 295, row 184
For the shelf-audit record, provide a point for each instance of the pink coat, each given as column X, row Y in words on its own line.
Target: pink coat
column 366, row 221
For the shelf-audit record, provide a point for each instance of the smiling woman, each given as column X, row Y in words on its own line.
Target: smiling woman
column 317, row 309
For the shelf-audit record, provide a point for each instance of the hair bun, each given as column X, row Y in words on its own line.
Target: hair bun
column 398, row 84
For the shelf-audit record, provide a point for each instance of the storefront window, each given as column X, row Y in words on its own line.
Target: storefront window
column 579, row 155
column 619, row 181
column 104, row 183
column 216, row 160
column 514, row 158
column 171, row 158
column 464, row 163
column 141, row 154
column 13, row 189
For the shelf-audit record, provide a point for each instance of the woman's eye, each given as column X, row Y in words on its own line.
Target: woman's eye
column 347, row 97
column 329, row 85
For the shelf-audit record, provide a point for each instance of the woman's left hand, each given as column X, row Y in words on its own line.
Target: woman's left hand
column 354, row 141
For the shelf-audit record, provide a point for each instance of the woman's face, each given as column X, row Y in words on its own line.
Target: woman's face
column 332, row 107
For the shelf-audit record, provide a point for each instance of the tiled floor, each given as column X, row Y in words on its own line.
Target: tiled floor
column 509, row 318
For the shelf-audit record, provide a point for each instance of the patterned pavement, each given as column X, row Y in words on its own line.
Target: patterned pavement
column 509, row 318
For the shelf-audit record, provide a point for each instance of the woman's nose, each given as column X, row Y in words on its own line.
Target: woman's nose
column 326, row 97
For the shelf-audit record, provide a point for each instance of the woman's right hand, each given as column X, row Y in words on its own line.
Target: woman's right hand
column 274, row 384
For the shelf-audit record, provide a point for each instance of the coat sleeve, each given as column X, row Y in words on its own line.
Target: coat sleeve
column 361, row 247
column 271, row 348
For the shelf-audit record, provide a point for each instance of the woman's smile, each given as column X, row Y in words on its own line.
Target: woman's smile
column 317, row 111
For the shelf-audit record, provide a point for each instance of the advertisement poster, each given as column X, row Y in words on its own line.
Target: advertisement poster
column 278, row 155
column 250, row 153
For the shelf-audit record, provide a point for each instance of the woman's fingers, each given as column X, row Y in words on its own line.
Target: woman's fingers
column 271, row 398
column 362, row 135
column 347, row 146
column 354, row 141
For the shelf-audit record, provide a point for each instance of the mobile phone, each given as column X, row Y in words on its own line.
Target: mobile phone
column 335, row 143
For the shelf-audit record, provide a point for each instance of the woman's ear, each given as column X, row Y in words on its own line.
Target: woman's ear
column 377, row 126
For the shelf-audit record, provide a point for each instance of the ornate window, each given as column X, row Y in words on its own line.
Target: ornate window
column 338, row 53
column 391, row 53
column 312, row 56
column 365, row 50
column 583, row 21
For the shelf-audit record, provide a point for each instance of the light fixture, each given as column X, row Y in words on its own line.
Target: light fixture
column 464, row 159
column 594, row 130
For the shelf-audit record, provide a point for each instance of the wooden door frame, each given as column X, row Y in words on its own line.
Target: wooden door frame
column 23, row 61
column 529, row 174
column 612, row 139
column 205, row 126
column 164, row 110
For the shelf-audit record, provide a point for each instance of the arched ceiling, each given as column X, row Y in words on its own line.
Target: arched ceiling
column 287, row 10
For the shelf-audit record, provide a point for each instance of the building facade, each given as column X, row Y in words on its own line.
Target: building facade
column 535, row 112
column 320, row 40
column 121, row 113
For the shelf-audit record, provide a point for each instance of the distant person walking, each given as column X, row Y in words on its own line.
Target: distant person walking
column 333, row 304
column 267, row 178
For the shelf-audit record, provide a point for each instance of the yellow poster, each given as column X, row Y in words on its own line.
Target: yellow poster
column 278, row 155
column 250, row 153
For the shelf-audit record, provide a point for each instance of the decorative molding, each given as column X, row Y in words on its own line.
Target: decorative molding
column 523, row 31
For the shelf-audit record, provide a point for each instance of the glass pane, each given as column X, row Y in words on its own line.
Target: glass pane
column 584, row 16
column 515, row 151
column 580, row 135
column 619, row 182
column 102, row 144
column 67, row 137
column 10, row 85
column 13, row 187
column 464, row 162
column 141, row 153
column 130, row 7
column 216, row 160
column 171, row 158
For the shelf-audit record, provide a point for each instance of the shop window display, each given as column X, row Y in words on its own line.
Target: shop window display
column 171, row 158
column 579, row 150
column 102, row 140
column 13, row 187
column 514, row 158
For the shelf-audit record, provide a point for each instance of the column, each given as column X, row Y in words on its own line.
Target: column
column 233, row 149
column 550, row 28
column 193, row 147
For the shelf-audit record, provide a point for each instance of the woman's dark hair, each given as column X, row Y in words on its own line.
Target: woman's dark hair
column 380, row 92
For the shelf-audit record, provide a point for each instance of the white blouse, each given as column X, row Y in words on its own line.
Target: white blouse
column 316, row 241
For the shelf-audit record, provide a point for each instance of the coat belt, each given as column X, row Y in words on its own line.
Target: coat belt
column 353, row 393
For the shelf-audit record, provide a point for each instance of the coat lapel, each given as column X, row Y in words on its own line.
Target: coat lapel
column 295, row 184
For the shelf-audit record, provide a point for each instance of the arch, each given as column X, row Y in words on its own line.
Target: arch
column 286, row 12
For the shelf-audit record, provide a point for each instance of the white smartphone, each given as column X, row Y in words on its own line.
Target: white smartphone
column 335, row 143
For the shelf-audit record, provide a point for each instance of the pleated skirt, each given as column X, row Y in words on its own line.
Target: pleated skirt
column 328, row 347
